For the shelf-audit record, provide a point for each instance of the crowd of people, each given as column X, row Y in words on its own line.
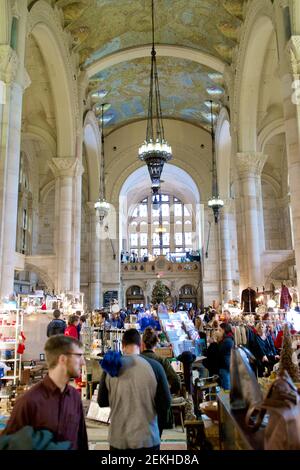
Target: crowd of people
column 133, row 257
column 263, row 344
column 144, row 317
column 71, row 328
column 138, row 373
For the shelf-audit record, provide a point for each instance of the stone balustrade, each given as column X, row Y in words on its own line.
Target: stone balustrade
column 165, row 266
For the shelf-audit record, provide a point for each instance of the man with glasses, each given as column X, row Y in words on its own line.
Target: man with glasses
column 53, row 404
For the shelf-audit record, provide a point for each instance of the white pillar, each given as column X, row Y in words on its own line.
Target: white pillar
column 249, row 168
column 292, row 125
column 77, row 191
column 10, row 158
column 64, row 170
column 94, row 259
column 13, row 80
column 226, row 274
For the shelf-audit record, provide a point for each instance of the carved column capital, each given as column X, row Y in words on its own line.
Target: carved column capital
column 250, row 163
column 293, row 55
column 66, row 166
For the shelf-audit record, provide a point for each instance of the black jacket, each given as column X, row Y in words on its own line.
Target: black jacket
column 212, row 359
column 225, row 347
column 56, row 327
column 264, row 347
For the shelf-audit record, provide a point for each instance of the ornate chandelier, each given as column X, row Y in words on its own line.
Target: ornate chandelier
column 155, row 150
column 215, row 202
column 102, row 206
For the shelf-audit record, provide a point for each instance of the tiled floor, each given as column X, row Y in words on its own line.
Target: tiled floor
column 172, row 439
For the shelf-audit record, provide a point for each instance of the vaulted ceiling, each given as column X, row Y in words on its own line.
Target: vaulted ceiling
column 103, row 28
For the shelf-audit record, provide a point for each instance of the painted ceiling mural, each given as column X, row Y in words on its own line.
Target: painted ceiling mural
column 102, row 27
column 185, row 88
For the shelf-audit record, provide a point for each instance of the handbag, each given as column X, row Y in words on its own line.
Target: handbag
column 244, row 388
column 283, row 406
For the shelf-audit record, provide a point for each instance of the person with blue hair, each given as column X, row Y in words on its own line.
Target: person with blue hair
column 137, row 392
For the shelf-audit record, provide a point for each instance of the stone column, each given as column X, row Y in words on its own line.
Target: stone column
column 77, row 190
column 13, row 79
column 94, row 259
column 82, row 85
column 226, row 274
column 249, row 168
column 289, row 53
column 64, row 170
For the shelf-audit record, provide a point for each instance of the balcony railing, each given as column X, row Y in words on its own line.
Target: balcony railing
column 161, row 264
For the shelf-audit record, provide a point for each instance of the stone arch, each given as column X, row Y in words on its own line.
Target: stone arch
column 178, row 182
column 92, row 142
column 135, row 283
column 36, row 132
column 44, row 25
column 141, row 295
column 185, row 282
column 257, row 31
column 186, row 140
column 223, row 153
column 162, row 50
column 280, row 272
column 270, row 130
column 41, row 273
column 44, row 192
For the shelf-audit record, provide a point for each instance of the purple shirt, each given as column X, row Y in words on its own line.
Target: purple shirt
column 44, row 406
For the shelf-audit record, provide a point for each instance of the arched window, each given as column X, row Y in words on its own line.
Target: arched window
column 162, row 229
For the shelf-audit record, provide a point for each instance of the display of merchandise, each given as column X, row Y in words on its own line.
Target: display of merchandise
column 30, row 303
column 180, row 331
column 12, row 346
column 40, row 302
column 86, row 337
column 70, row 303
column 104, row 340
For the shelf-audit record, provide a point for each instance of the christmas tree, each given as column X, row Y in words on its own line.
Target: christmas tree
column 159, row 293
column 286, row 362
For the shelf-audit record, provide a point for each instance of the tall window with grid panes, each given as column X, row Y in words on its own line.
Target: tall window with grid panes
column 162, row 230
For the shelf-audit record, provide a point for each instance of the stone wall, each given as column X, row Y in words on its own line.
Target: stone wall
column 46, row 224
column 276, row 220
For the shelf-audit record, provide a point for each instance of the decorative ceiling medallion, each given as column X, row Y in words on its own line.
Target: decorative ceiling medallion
column 234, row 7
column 228, row 30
